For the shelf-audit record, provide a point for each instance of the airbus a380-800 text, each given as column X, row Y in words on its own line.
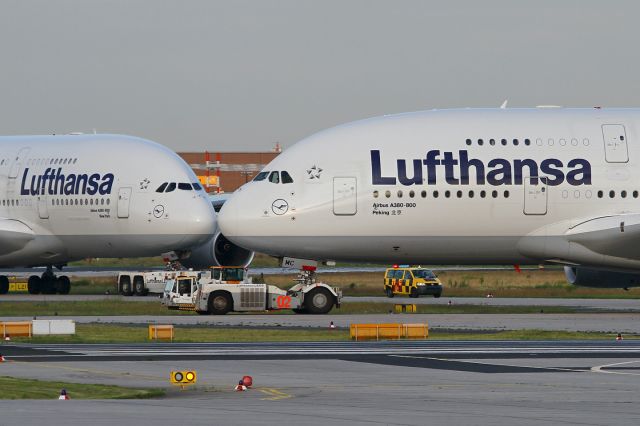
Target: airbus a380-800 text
column 467, row 186
column 70, row 197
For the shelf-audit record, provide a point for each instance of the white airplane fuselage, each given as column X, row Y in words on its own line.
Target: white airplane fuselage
column 70, row 197
column 472, row 186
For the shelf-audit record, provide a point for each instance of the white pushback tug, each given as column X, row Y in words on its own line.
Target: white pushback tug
column 220, row 290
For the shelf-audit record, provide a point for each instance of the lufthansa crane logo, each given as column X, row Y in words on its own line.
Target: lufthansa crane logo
column 279, row 206
column 158, row 211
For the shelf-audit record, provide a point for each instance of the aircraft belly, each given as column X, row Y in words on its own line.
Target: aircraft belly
column 427, row 250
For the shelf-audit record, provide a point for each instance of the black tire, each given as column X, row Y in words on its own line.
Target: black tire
column 437, row 295
column 299, row 311
column 125, row 286
column 318, row 301
column 414, row 293
column 220, row 302
column 34, row 284
column 389, row 292
column 63, row 285
column 138, row 286
column 4, row 284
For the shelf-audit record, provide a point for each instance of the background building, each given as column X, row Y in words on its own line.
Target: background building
column 227, row 171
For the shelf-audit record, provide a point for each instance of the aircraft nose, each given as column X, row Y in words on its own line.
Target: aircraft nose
column 200, row 220
column 228, row 218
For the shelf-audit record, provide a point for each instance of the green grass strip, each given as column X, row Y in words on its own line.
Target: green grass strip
column 14, row 388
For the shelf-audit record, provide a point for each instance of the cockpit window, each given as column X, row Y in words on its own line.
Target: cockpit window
column 162, row 187
column 261, row 176
column 274, row 177
column 286, row 177
column 185, row 186
column 171, row 187
column 196, row 186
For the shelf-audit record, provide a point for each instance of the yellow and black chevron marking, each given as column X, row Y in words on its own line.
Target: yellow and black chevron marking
column 399, row 286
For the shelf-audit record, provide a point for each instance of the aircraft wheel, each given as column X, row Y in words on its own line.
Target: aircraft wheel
column 34, row 284
column 220, row 303
column 318, row 301
column 4, row 284
column 63, row 285
column 138, row 286
column 389, row 292
column 125, row 286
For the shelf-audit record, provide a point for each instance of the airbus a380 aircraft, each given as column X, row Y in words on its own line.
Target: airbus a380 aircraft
column 65, row 198
column 469, row 186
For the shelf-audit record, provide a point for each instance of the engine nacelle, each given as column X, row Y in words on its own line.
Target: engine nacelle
column 218, row 251
column 588, row 277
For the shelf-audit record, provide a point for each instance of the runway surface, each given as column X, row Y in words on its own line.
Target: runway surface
column 390, row 383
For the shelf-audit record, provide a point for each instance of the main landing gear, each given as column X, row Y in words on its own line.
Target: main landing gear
column 48, row 283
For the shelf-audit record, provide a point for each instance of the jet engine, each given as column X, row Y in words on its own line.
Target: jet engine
column 588, row 277
column 218, row 251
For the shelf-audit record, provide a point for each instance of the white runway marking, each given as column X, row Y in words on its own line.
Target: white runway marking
column 601, row 368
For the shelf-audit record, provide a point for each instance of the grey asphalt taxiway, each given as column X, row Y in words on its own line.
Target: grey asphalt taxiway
column 355, row 383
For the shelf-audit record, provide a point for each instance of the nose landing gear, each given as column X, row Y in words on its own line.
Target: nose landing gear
column 49, row 283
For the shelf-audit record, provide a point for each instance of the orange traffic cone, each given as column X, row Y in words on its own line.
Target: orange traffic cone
column 63, row 395
column 332, row 325
column 240, row 387
column 619, row 336
column 1, row 358
column 7, row 338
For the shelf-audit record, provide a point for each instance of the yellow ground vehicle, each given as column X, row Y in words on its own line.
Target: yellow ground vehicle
column 412, row 282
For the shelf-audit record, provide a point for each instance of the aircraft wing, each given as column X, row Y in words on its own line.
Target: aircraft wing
column 14, row 235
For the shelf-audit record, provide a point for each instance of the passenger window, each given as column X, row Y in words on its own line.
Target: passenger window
column 196, row 186
column 274, row 177
column 171, row 187
column 261, row 176
column 286, row 178
column 161, row 187
column 185, row 186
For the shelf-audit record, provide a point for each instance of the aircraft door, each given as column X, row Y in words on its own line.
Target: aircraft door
column 345, row 196
column 615, row 143
column 43, row 207
column 535, row 196
column 124, row 197
column 17, row 163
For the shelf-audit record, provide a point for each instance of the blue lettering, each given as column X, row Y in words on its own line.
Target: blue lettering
column 457, row 171
column 55, row 182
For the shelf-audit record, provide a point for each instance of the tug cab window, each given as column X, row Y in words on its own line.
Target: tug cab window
column 261, row 176
column 286, row 177
column 274, row 177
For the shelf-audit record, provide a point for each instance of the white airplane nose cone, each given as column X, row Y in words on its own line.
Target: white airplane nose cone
column 228, row 219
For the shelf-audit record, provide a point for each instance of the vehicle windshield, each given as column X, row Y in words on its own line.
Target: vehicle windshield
column 233, row 274
column 424, row 274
